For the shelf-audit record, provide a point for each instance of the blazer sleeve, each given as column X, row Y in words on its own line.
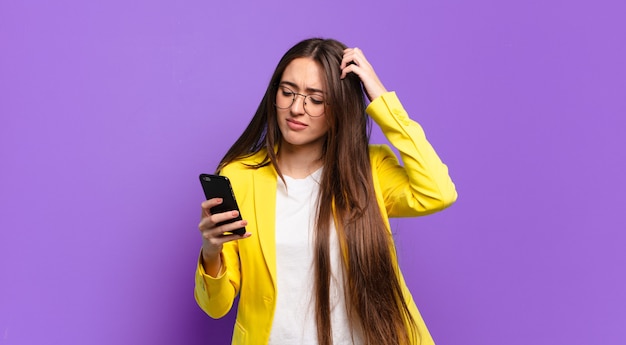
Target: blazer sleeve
column 422, row 186
column 215, row 295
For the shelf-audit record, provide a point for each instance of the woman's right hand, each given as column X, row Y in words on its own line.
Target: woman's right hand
column 213, row 237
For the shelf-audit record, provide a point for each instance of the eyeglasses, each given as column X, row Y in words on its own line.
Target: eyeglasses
column 314, row 105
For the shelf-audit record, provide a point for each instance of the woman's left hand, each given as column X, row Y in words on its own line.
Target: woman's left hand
column 362, row 68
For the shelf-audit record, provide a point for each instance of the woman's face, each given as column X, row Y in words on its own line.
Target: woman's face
column 303, row 124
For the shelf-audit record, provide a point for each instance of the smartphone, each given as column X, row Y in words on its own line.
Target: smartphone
column 216, row 186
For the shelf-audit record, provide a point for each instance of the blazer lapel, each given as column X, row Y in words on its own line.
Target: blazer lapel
column 265, row 181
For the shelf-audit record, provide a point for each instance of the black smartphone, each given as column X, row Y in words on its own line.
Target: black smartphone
column 216, row 186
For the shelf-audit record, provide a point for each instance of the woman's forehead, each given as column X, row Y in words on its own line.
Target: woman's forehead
column 304, row 74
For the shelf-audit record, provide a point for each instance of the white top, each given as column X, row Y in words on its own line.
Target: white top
column 294, row 318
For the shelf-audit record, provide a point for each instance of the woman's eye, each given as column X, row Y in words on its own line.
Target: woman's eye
column 316, row 100
column 287, row 92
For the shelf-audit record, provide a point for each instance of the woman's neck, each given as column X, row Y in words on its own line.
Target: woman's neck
column 299, row 162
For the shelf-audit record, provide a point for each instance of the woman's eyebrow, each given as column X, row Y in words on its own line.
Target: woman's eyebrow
column 294, row 86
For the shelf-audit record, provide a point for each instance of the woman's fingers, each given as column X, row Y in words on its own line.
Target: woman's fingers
column 214, row 238
column 354, row 55
column 214, row 235
column 211, row 220
column 354, row 61
column 208, row 204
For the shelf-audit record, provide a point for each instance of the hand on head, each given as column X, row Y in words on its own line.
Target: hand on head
column 354, row 61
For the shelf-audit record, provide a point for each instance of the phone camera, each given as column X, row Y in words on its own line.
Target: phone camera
column 206, row 178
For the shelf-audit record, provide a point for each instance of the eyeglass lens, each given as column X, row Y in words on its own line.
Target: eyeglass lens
column 313, row 104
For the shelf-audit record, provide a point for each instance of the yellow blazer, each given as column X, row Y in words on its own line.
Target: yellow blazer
column 421, row 187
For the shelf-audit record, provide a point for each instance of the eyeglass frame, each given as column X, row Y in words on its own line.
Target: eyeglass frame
column 293, row 100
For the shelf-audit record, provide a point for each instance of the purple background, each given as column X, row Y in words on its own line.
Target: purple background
column 109, row 112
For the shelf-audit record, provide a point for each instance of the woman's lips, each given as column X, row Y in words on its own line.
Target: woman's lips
column 296, row 125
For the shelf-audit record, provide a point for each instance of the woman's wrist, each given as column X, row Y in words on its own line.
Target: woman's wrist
column 212, row 264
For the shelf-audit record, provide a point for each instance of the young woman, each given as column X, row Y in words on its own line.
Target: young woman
column 318, row 264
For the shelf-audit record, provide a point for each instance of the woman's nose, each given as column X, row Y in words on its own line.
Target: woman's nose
column 297, row 108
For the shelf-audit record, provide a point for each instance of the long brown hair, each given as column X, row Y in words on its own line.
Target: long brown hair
column 373, row 291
